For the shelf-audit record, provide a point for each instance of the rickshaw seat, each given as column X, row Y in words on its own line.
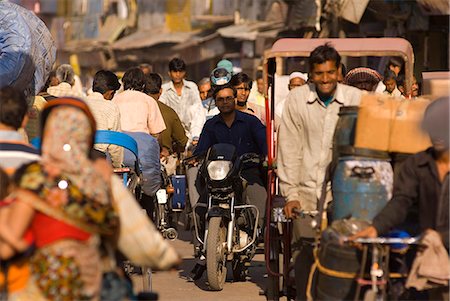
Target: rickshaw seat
column 125, row 141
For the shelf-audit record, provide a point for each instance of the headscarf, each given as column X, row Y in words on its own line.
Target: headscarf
column 68, row 133
column 362, row 74
column 301, row 75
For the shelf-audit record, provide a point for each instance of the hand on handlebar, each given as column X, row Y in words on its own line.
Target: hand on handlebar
column 369, row 232
column 292, row 209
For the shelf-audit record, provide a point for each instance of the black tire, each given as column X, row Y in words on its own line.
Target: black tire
column 215, row 254
column 273, row 282
column 239, row 270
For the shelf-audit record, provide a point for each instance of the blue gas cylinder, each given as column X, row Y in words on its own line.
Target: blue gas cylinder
column 361, row 187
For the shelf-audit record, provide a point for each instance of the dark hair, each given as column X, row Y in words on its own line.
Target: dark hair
column 134, row 79
column 395, row 61
column 389, row 74
column 4, row 184
column 400, row 79
column 104, row 81
column 13, row 107
column 177, row 64
column 259, row 74
column 324, row 53
column 217, row 89
column 153, row 84
column 240, row 78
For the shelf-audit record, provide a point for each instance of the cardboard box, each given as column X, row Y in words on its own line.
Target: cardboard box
column 436, row 83
column 375, row 114
column 406, row 133
column 391, row 124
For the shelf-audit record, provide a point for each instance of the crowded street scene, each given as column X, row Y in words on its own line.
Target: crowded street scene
column 224, row 150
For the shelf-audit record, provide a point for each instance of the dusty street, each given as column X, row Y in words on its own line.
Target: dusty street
column 174, row 285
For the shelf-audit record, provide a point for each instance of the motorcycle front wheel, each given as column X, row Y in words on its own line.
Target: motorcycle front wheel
column 215, row 253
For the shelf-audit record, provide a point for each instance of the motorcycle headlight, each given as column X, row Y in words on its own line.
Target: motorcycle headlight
column 218, row 170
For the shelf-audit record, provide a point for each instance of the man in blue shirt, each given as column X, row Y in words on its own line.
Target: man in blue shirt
column 248, row 135
column 245, row 132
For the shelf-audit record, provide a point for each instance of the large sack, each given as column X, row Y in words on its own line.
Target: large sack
column 27, row 50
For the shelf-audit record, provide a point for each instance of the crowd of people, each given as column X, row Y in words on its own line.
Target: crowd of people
column 58, row 214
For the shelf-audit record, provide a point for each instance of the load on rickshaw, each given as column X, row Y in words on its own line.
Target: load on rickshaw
column 361, row 175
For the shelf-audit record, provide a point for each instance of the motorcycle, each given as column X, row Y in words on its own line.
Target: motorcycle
column 230, row 229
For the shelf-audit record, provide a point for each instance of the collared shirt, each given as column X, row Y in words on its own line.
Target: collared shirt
column 395, row 93
column 107, row 117
column 173, row 135
column 139, row 112
column 246, row 133
column 305, row 141
column 420, row 195
column 188, row 106
column 14, row 152
column 64, row 90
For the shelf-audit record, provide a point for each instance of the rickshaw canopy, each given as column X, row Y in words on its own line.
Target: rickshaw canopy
column 358, row 47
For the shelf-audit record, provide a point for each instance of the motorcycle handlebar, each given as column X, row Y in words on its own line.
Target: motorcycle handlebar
column 305, row 212
column 386, row 240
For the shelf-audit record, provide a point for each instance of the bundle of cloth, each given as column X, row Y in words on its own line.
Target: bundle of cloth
column 27, row 50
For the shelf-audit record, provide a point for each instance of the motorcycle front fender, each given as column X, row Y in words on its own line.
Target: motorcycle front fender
column 219, row 212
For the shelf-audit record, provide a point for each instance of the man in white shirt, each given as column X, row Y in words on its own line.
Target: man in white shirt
column 304, row 150
column 296, row 79
column 183, row 96
column 106, row 113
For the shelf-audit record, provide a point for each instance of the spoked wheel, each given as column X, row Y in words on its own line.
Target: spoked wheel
column 215, row 254
column 273, row 282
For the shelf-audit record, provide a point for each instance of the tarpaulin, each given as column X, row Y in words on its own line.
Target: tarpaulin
column 27, row 50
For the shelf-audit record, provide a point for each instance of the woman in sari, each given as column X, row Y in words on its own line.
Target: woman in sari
column 65, row 200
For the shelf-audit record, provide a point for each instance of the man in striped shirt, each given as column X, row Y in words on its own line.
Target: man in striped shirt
column 13, row 115
column 14, row 152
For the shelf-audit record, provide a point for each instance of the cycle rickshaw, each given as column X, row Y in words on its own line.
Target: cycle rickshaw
column 278, row 61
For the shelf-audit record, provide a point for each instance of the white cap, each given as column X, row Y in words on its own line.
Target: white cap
column 301, row 75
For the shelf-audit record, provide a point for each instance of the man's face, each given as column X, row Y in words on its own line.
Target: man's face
column 325, row 77
column 296, row 82
column 204, row 90
column 177, row 76
column 260, row 85
column 390, row 85
column 243, row 91
column 225, row 101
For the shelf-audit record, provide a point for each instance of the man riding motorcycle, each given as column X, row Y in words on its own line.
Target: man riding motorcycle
column 247, row 134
